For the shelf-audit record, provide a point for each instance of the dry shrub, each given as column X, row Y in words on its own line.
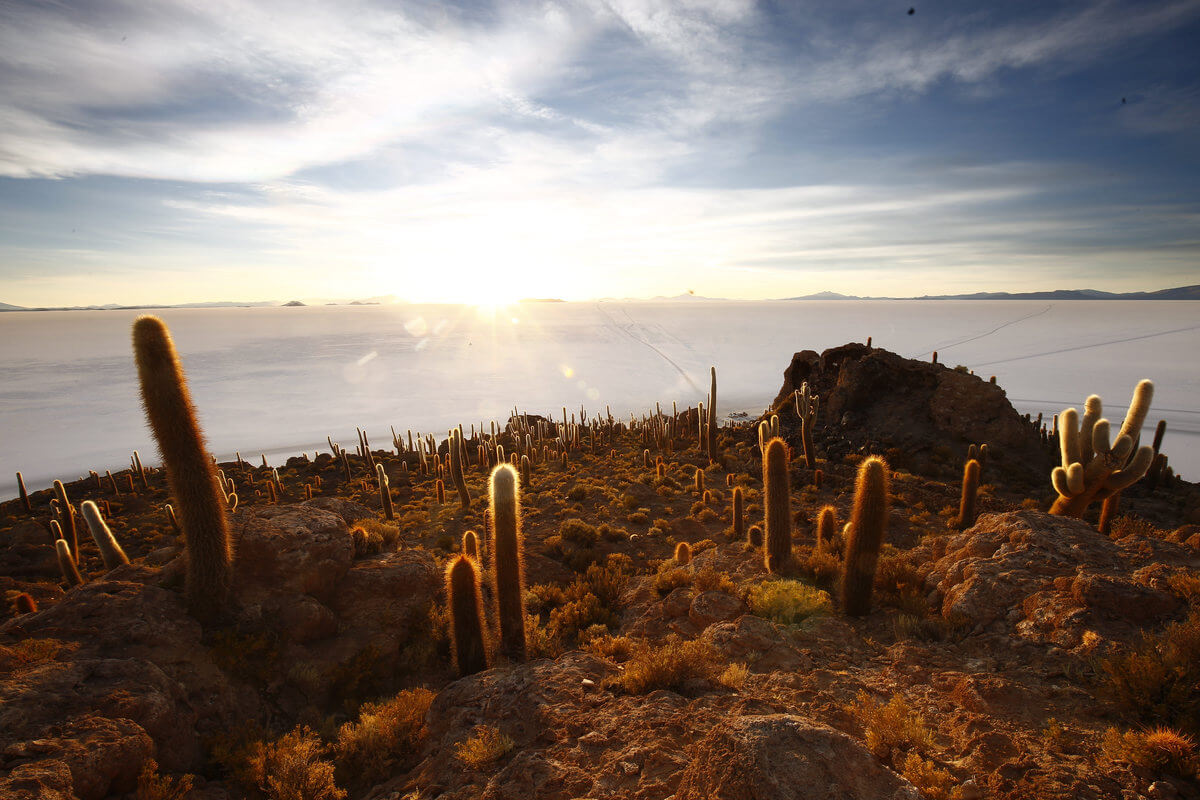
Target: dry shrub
column 540, row 642
column 376, row 536
column 152, row 786
column 670, row 577
column 734, row 676
column 892, row 726
column 788, row 602
column 1130, row 525
column 581, row 612
column 485, row 746
column 1156, row 682
column 710, row 580
column 822, row 567
column 1185, row 585
column 1161, row 749
column 933, row 782
column 897, row 579
column 26, row 653
column 608, row 582
column 605, row 645
column 293, row 767
column 668, row 664
column 386, row 735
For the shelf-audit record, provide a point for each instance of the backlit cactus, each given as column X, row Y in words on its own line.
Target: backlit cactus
column 739, row 514
column 385, row 492
column 1092, row 468
column 508, row 561
column 467, row 629
column 458, row 453
column 868, row 522
column 970, row 495
column 67, row 514
column 806, row 409
column 66, row 563
column 190, row 471
column 826, row 528
column 711, row 423
column 110, row 550
column 683, row 554
column 778, row 506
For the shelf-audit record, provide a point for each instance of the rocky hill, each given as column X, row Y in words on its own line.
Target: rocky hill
column 1026, row 656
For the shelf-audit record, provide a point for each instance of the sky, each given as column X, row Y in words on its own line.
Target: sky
column 173, row 152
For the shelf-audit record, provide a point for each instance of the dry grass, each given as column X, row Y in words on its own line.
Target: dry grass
column 386, row 735
column 934, row 782
column 153, row 786
column 668, row 664
column 1156, row 682
column 485, row 746
column 734, row 677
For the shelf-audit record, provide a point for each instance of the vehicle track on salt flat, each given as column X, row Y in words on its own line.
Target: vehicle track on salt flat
column 1087, row 346
column 613, row 322
column 944, row 347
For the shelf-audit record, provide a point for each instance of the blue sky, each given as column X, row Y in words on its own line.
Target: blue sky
column 181, row 151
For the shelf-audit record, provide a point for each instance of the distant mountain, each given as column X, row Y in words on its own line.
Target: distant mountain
column 293, row 304
column 7, row 307
column 1178, row 293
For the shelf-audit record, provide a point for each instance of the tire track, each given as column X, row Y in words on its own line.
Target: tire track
column 644, row 343
column 945, row 347
column 1087, row 346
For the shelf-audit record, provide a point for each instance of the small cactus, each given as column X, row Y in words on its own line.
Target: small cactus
column 470, row 545
column 970, row 494
column 467, row 629
column 739, row 514
column 683, row 554
column 778, row 502
column 385, row 492
column 23, row 603
column 868, row 522
column 508, row 561
column 826, row 528
column 754, row 537
column 66, row 563
column 24, row 494
column 110, row 550
column 458, row 454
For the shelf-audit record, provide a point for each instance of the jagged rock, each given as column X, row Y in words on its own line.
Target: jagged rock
column 784, row 757
column 48, row 779
column 348, row 510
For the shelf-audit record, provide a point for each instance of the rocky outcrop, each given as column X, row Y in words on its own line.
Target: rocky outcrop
column 784, row 757
column 876, row 399
column 1052, row 579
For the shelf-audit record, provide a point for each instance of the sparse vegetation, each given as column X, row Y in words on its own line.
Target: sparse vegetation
column 788, row 602
column 483, row 748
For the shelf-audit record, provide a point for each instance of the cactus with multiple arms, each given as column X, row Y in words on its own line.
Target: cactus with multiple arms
column 1092, row 468
column 806, row 410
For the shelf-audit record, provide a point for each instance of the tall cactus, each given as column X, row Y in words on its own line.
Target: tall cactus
column 711, row 426
column 778, row 501
column 739, row 514
column 970, row 494
column 67, row 511
column 24, row 494
column 457, row 456
column 868, row 522
column 508, row 562
column 1092, row 468
column 806, row 409
column 66, row 563
column 467, row 629
column 110, row 550
column 385, row 491
column 190, row 471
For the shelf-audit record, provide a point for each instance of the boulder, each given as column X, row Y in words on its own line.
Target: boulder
column 289, row 550
column 785, row 757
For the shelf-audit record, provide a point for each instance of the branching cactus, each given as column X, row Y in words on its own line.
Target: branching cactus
column 467, row 629
column 110, row 550
column 508, row 561
column 778, row 502
column 1092, row 468
column 190, row 471
column 868, row 522
column 806, row 410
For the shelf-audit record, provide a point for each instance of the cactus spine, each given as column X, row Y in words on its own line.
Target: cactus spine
column 110, row 550
column 385, row 492
column 190, row 472
column 466, row 616
column 970, row 492
column 868, row 521
column 508, row 562
column 778, row 502
column 66, row 563
column 457, row 455
column 1092, row 468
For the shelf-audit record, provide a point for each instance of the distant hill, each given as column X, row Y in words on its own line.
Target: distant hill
column 1178, row 293
column 7, row 307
